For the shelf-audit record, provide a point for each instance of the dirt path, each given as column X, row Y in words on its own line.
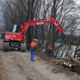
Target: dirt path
column 15, row 65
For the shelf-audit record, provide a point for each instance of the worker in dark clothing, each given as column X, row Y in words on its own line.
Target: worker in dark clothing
column 49, row 50
column 33, row 48
column 63, row 39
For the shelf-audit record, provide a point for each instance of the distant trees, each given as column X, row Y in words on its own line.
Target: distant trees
column 70, row 24
column 20, row 11
column 2, row 27
column 57, row 10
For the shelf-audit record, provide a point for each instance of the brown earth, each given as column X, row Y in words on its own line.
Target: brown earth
column 15, row 65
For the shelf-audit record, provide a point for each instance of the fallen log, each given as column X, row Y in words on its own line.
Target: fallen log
column 66, row 64
column 74, row 59
column 70, row 64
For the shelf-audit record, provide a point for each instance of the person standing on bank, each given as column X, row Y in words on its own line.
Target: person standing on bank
column 33, row 48
column 49, row 50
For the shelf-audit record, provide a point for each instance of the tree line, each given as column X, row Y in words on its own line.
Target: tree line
column 20, row 11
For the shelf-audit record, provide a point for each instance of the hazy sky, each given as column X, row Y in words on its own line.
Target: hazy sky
column 77, row 1
column 1, row 14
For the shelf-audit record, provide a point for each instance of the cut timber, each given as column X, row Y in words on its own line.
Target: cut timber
column 62, row 60
column 73, row 67
column 74, row 59
column 68, row 64
column 58, row 60
column 71, row 64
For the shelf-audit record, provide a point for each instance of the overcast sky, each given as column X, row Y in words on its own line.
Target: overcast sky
column 77, row 1
column 1, row 14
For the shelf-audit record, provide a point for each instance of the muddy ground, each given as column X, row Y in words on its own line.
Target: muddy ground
column 15, row 65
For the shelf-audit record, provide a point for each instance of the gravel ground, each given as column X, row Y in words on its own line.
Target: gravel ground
column 15, row 65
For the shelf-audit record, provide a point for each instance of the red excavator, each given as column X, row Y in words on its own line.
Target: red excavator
column 16, row 38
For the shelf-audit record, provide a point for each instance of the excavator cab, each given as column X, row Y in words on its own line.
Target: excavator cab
column 16, row 28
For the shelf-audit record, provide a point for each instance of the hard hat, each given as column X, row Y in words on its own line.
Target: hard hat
column 50, row 45
column 35, row 39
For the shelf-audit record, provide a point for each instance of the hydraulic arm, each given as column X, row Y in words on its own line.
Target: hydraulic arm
column 24, row 27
